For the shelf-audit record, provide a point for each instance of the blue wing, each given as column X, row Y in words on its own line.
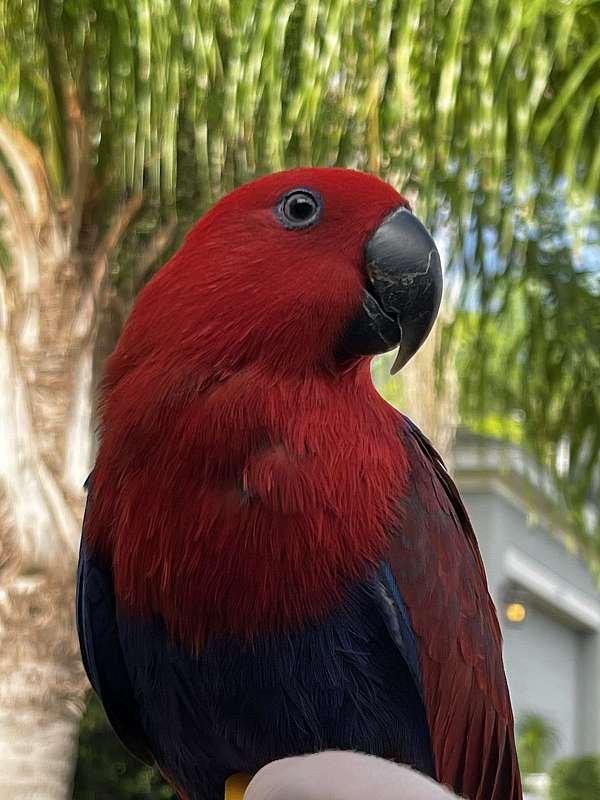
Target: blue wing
column 397, row 621
column 102, row 655
column 348, row 681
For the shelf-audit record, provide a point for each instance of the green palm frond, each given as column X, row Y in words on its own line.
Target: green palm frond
column 421, row 90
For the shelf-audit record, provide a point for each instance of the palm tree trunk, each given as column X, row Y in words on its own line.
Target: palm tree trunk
column 428, row 395
column 49, row 296
column 41, row 690
column 431, row 399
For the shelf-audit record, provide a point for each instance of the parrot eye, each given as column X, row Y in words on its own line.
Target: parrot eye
column 300, row 209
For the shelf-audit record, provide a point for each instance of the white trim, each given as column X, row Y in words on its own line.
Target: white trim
column 504, row 458
column 476, row 455
column 547, row 517
column 549, row 587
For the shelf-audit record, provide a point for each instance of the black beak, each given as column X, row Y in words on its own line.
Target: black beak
column 402, row 293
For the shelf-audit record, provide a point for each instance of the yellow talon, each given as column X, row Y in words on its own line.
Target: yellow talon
column 236, row 785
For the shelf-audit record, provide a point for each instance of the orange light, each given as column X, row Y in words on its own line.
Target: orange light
column 515, row 612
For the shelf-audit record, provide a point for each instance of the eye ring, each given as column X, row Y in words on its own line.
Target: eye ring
column 300, row 209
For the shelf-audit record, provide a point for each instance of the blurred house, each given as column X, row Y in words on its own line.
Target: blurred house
column 552, row 644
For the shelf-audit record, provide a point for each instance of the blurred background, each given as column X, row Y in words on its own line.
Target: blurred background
column 121, row 121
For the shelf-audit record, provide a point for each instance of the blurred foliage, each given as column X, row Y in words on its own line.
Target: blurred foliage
column 575, row 779
column 499, row 416
column 452, row 88
column 488, row 112
column 105, row 770
column 560, row 291
column 510, row 399
column 536, row 741
column 390, row 387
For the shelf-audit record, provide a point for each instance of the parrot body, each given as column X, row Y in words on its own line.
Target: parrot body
column 238, row 706
column 274, row 560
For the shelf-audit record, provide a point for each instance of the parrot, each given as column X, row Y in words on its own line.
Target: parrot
column 275, row 561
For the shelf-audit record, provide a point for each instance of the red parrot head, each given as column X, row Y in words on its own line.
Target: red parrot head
column 304, row 269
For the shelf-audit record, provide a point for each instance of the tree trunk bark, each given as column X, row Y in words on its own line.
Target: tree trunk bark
column 48, row 325
column 41, row 690
column 431, row 401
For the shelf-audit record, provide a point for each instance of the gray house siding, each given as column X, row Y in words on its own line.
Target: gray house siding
column 552, row 659
column 550, row 688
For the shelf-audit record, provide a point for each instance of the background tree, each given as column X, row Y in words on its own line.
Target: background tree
column 106, row 771
column 122, row 120
column 536, row 741
column 575, row 778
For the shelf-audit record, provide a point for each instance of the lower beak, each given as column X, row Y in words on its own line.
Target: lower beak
column 402, row 292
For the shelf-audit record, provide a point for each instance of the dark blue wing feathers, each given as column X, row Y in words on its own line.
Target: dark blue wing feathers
column 397, row 621
column 102, row 655
column 342, row 682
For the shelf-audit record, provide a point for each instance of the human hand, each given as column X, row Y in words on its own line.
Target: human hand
column 342, row 775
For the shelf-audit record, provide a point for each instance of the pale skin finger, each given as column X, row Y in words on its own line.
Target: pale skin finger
column 337, row 775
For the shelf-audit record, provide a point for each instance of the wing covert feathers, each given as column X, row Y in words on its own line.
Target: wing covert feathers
column 436, row 561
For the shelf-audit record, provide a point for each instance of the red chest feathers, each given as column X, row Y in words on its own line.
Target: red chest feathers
column 246, row 506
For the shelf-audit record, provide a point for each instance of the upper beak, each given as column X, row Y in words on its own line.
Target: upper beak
column 403, row 290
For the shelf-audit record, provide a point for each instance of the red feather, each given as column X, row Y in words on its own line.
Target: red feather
column 436, row 562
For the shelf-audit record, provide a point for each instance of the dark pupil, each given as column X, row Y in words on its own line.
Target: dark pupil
column 300, row 208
